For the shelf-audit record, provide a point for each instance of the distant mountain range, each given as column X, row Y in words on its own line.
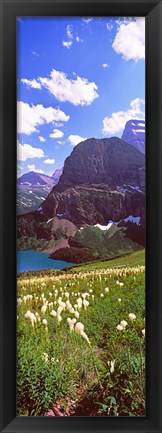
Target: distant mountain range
column 33, row 188
column 134, row 133
column 102, row 181
column 33, row 178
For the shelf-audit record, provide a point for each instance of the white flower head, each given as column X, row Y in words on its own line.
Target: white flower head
column 112, row 366
column 79, row 329
column 53, row 313
column 45, row 357
column 119, row 299
column 31, row 316
column 71, row 323
column 132, row 316
column 143, row 332
column 44, row 308
column 85, row 303
column 119, row 328
column 123, row 323
column 76, row 314
column 19, row 300
column 59, row 318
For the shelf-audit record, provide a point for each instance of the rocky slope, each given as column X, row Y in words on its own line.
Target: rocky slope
column 134, row 133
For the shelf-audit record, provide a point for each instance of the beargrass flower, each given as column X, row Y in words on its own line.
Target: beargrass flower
column 85, row 303
column 71, row 323
column 76, row 314
column 112, row 366
column 119, row 328
column 45, row 357
column 44, row 308
column 19, row 300
column 123, row 323
column 106, row 289
column 53, row 313
column 143, row 332
column 79, row 329
column 132, row 316
column 31, row 316
column 37, row 316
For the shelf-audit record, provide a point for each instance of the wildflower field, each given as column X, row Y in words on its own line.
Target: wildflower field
column 81, row 341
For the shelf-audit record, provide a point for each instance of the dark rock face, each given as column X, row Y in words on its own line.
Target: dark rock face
column 110, row 161
column 93, row 204
column 134, row 133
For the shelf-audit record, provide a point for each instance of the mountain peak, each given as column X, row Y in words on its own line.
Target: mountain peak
column 109, row 161
column 134, row 133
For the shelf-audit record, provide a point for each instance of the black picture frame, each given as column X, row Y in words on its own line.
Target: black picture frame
column 152, row 10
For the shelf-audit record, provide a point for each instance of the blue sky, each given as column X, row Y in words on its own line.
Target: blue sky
column 77, row 78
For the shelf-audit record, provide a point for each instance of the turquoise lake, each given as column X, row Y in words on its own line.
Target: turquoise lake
column 32, row 260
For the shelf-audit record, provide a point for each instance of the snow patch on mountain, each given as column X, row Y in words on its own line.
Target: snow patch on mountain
column 134, row 134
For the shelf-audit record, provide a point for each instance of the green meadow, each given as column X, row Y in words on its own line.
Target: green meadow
column 81, row 340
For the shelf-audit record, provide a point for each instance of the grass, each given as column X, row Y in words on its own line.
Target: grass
column 98, row 372
column 133, row 259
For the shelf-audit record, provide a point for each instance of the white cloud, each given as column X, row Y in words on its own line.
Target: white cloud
column 35, row 54
column 78, row 39
column 59, row 124
column 116, row 122
column 31, row 83
column 109, row 26
column 19, row 170
column 32, row 167
column 87, row 20
column 67, row 44
column 56, row 134
column 105, row 65
column 25, row 151
column 69, row 30
column 130, row 39
column 49, row 161
column 61, row 142
column 78, row 91
column 42, row 139
column 29, row 117
column 75, row 139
